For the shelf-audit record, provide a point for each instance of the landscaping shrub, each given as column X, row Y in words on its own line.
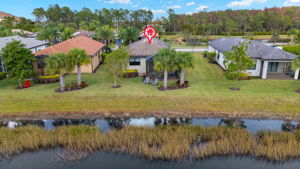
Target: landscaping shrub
column 205, row 54
column 2, row 75
column 243, row 76
column 211, row 57
column 47, row 79
column 130, row 73
column 292, row 49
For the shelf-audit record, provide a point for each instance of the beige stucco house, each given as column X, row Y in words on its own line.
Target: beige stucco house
column 141, row 54
column 92, row 47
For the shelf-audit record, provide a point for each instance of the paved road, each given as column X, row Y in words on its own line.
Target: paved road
column 191, row 50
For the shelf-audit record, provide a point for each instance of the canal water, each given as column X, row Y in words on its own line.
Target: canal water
column 57, row 159
column 107, row 124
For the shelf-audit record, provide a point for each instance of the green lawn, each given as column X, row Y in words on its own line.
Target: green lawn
column 256, row 37
column 208, row 93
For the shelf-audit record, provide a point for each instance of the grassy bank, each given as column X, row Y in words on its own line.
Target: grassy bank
column 256, row 37
column 209, row 92
column 165, row 143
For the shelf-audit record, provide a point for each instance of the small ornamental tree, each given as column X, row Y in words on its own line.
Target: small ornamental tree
column 237, row 62
column 59, row 63
column 77, row 58
column 165, row 61
column 184, row 61
column 18, row 61
column 117, row 61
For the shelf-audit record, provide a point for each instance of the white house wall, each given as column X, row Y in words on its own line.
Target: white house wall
column 221, row 58
column 142, row 68
column 38, row 48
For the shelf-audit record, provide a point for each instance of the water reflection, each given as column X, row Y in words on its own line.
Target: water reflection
column 107, row 124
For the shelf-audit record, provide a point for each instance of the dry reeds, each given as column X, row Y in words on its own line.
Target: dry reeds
column 166, row 143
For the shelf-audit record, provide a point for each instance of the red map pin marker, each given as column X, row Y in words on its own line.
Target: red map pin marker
column 150, row 33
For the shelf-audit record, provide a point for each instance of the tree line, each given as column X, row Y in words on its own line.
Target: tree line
column 234, row 22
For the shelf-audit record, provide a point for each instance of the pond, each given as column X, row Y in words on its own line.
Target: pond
column 106, row 124
column 57, row 159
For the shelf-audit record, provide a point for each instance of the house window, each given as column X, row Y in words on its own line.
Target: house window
column 254, row 65
column 134, row 61
column 218, row 55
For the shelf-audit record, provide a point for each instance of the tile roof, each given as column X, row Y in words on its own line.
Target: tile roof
column 142, row 48
column 28, row 42
column 89, row 45
column 255, row 50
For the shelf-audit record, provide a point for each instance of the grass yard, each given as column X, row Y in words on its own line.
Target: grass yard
column 208, row 93
column 256, row 37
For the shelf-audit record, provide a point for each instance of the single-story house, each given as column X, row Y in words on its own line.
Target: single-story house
column 270, row 62
column 92, row 47
column 86, row 33
column 30, row 43
column 141, row 54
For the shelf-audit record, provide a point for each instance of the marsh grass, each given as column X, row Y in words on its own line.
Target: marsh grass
column 163, row 143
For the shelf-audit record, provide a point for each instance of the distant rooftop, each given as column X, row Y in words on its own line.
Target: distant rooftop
column 83, row 33
column 142, row 48
column 255, row 50
column 28, row 42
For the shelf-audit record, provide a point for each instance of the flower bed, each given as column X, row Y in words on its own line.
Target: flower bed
column 130, row 73
column 175, row 86
column 73, row 86
column 47, row 79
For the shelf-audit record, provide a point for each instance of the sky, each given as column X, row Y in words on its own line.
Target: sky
column 24, row 8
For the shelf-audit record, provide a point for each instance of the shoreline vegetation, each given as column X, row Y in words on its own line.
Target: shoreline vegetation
column 159, row 143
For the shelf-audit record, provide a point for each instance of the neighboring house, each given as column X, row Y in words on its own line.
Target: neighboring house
column 141, row 55
column 30, row 43
column 23, row 32
column 4, row 14
column 93, row 49
column 83, row 33
column 269, row 62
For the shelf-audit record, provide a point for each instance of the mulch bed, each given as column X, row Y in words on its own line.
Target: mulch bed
column 72, row 87
column 161, row 88
column 69, row 90
column 20, row 88
column 297, row 91
column 116, row 87
column 235, row 88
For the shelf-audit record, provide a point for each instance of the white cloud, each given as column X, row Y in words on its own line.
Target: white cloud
column 291, row 2
column 158, row 11
column 243, row 3
column 202, row 8
column 145, row 8
column 118, row 2
column 190, row 3
column 175, row 7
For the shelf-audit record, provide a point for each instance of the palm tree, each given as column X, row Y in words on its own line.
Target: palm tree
column 58, row 63
column 129, row 34
column 77, row 58
column 165, row 61
column 49, row 32
column 106, row 34
column 184, row 60
column 296, row 64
